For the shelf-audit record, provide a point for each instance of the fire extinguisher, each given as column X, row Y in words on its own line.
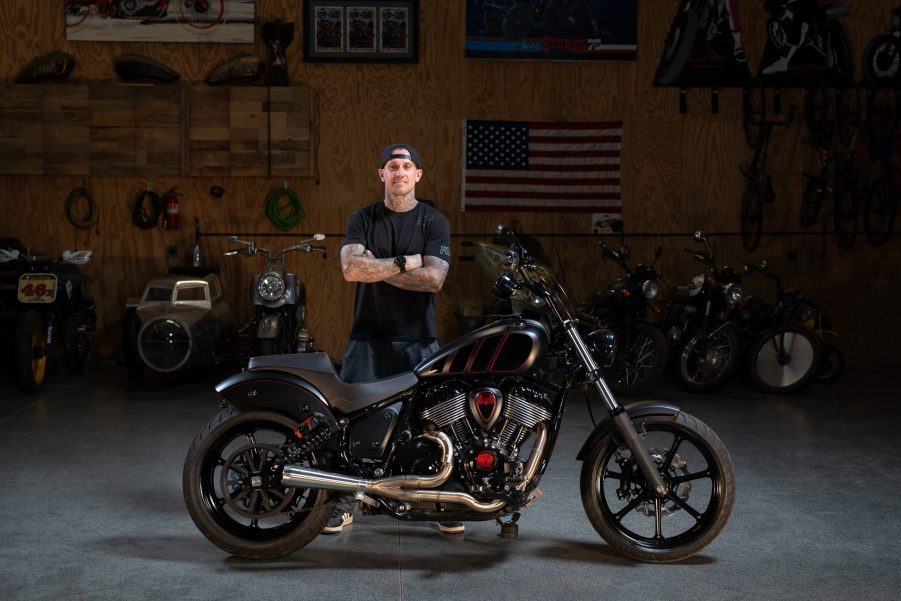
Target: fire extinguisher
column 170, row 221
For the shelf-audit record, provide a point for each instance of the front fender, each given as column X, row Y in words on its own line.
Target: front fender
column 275, row 390
column 634, row 411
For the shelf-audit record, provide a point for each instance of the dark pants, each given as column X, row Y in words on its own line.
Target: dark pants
column 367, row 360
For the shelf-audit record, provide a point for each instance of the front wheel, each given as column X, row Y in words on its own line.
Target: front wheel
column 639, row 360
column 709, row 357
column 784, row 361
column 232, row 486
column 31, row 351
column 625, row 510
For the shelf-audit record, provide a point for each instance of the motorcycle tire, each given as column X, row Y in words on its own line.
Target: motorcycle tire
column 678, row 47
column 698, row 472
column 832, row 364
column 134, row 365
column 638, row 368
column 785, row 360
column 31, row 351
column 881, row 61
column 709, row 357
column 259, row 520
column 879, row 213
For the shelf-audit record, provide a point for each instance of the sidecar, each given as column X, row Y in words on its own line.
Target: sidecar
column 181, row 319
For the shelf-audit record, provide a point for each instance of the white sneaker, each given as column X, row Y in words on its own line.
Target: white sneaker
column 337, row 522
column 780, row 66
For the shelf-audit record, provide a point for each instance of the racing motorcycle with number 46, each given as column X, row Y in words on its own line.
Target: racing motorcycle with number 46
column 465, row 436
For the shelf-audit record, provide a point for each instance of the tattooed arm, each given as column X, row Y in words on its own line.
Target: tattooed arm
column 423, row 274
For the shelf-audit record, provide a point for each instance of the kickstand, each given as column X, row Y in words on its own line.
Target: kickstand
column 510, row 529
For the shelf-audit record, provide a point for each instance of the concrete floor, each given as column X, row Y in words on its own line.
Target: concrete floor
column 91, row 508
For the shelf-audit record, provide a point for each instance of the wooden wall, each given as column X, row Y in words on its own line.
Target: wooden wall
column 680, row 171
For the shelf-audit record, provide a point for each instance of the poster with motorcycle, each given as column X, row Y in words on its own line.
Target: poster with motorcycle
column 219, row 21
column 552, row 29
column 704, row 47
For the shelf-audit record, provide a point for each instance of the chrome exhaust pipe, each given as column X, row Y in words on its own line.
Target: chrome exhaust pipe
column 407, row 487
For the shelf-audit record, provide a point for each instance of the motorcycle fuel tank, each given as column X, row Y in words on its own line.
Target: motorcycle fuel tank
column 509, row 347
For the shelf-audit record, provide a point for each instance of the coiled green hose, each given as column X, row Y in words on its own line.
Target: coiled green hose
column 275, row 211
column 91, row 217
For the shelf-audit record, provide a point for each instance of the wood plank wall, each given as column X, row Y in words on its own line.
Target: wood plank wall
column 680, row 171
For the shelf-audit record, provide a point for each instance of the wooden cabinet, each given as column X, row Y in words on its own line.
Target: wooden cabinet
column 104, row 128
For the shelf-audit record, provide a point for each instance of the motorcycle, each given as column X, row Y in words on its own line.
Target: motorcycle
column 279, row 299
column 641, row 348
column 196, row 13
column 53, row 317
column 465, row 436
column 699, row 322
column 882, row 56
column 783, row 356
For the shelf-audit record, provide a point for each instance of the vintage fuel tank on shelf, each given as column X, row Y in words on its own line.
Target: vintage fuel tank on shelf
column 508, row 347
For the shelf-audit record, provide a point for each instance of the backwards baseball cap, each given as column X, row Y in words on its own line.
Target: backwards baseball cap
column 400, row 151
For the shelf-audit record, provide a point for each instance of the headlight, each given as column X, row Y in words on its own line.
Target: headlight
column 733, row 294
column 649, row 289
column 271, row 287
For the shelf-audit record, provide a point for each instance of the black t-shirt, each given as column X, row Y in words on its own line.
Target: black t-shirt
column 383, row 311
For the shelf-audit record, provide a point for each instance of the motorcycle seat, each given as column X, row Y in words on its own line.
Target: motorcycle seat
column 318, row 370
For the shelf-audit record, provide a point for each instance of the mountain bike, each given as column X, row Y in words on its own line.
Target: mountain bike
column 758, row 182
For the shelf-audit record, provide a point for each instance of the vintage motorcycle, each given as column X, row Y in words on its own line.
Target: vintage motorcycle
column 705, row 344
column 465, row 436
column 641, row 351
column 279, row 299
column 53, row 317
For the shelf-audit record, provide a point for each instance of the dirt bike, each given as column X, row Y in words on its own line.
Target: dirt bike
column 465, row 436
column 51, row 314
column 279, row 299
column 705, row 344
column 641, row 349
column 783, row 356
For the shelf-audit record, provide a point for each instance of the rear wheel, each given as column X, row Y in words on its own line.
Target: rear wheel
column 626, row 512
column 784, row 361
column 639, row 365
column 879, row 213
column 832, row 364
column 709, row 357
column 31, row 351
column 232, row 487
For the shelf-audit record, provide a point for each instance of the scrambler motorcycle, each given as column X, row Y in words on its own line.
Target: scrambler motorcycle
column 466, row 435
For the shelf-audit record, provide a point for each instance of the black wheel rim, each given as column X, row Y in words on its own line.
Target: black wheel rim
column 705, row 358
column 693, row 477
column 240, row 483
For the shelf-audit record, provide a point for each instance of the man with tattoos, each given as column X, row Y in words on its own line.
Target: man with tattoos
column 398, row 252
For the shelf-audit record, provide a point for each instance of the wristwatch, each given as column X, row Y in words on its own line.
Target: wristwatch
column 401, row 262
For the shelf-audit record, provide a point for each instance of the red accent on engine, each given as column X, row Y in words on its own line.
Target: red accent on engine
column 486, row 460
column 486, row 401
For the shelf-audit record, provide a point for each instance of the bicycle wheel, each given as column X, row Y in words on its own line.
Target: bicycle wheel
column 879, row 213
column 785, row 360
column 812, row 201
column 847, row 113
column 753, row 104
column 845, row 216
column 751, row 215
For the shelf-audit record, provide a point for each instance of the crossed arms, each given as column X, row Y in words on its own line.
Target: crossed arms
column 423, row 273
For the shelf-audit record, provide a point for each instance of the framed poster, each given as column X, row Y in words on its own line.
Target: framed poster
column 552, row 29
column 219, row 21
column 361, row 31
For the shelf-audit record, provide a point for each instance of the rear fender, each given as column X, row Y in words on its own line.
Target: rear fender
column 634, row 411
column 276, row 390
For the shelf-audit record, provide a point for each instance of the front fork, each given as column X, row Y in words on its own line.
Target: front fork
column 616, row 411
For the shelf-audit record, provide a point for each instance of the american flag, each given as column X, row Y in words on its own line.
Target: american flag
column 542, row 166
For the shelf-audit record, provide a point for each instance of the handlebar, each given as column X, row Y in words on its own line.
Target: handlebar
column 250, row 249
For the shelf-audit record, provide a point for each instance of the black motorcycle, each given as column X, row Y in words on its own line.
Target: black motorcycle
column 641, row 350
column 279, row 299
column 465, row 436
column 706, row 345
column 51, row 315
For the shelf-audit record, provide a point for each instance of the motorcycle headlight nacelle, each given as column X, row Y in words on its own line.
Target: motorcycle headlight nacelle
column 733, row 294
column 649, row 289
column 271, row 287
column 506, row 285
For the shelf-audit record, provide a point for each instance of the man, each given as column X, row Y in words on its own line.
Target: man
column 398, row 252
